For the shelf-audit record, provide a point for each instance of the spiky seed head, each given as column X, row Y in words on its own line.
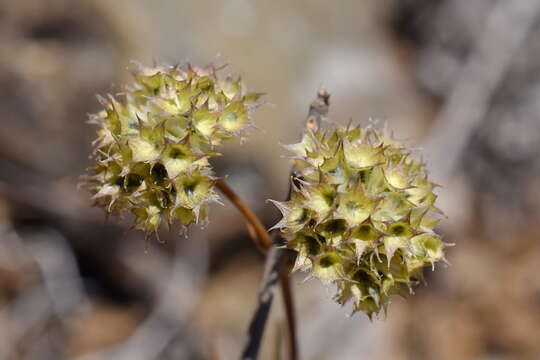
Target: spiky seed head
column 363, row 215
column 154, row 142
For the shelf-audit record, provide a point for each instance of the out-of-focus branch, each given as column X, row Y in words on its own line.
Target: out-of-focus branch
column 171, row 314
column 506, row 28
column 58, row 267
column 56, row 300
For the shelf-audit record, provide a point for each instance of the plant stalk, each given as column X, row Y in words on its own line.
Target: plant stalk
column 263, row 242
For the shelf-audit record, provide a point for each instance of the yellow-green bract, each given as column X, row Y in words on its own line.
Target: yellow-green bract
column 155, row 139
column 361, row 215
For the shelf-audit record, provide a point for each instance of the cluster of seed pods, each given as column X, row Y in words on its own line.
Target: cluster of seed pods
column 361, row 215
column 155, row 139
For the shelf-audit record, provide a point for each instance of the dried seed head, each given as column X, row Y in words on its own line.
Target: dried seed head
column 363, row 215
column 153, row 145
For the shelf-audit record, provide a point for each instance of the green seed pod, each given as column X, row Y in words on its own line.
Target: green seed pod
column 362, row 217
column 153, row 145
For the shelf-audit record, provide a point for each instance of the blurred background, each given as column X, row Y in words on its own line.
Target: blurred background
column 461, row 79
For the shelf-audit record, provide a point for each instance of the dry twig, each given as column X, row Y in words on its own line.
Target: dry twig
column 277, row 263
column 505, row 30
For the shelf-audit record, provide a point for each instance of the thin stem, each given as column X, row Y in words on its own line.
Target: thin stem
column 288, row 301
column 263, row 241
column 317, row 112
column 265, row 297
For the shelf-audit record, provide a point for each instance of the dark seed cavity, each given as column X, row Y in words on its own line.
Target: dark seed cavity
column 327, row 261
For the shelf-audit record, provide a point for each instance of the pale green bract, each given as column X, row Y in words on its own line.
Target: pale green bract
column 361, row 216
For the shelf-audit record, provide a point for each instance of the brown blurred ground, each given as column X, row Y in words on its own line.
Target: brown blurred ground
column 75, row 287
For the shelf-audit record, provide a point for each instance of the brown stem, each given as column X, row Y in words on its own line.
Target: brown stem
column 263, row 241
column 317, row 112
column 288, row 301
